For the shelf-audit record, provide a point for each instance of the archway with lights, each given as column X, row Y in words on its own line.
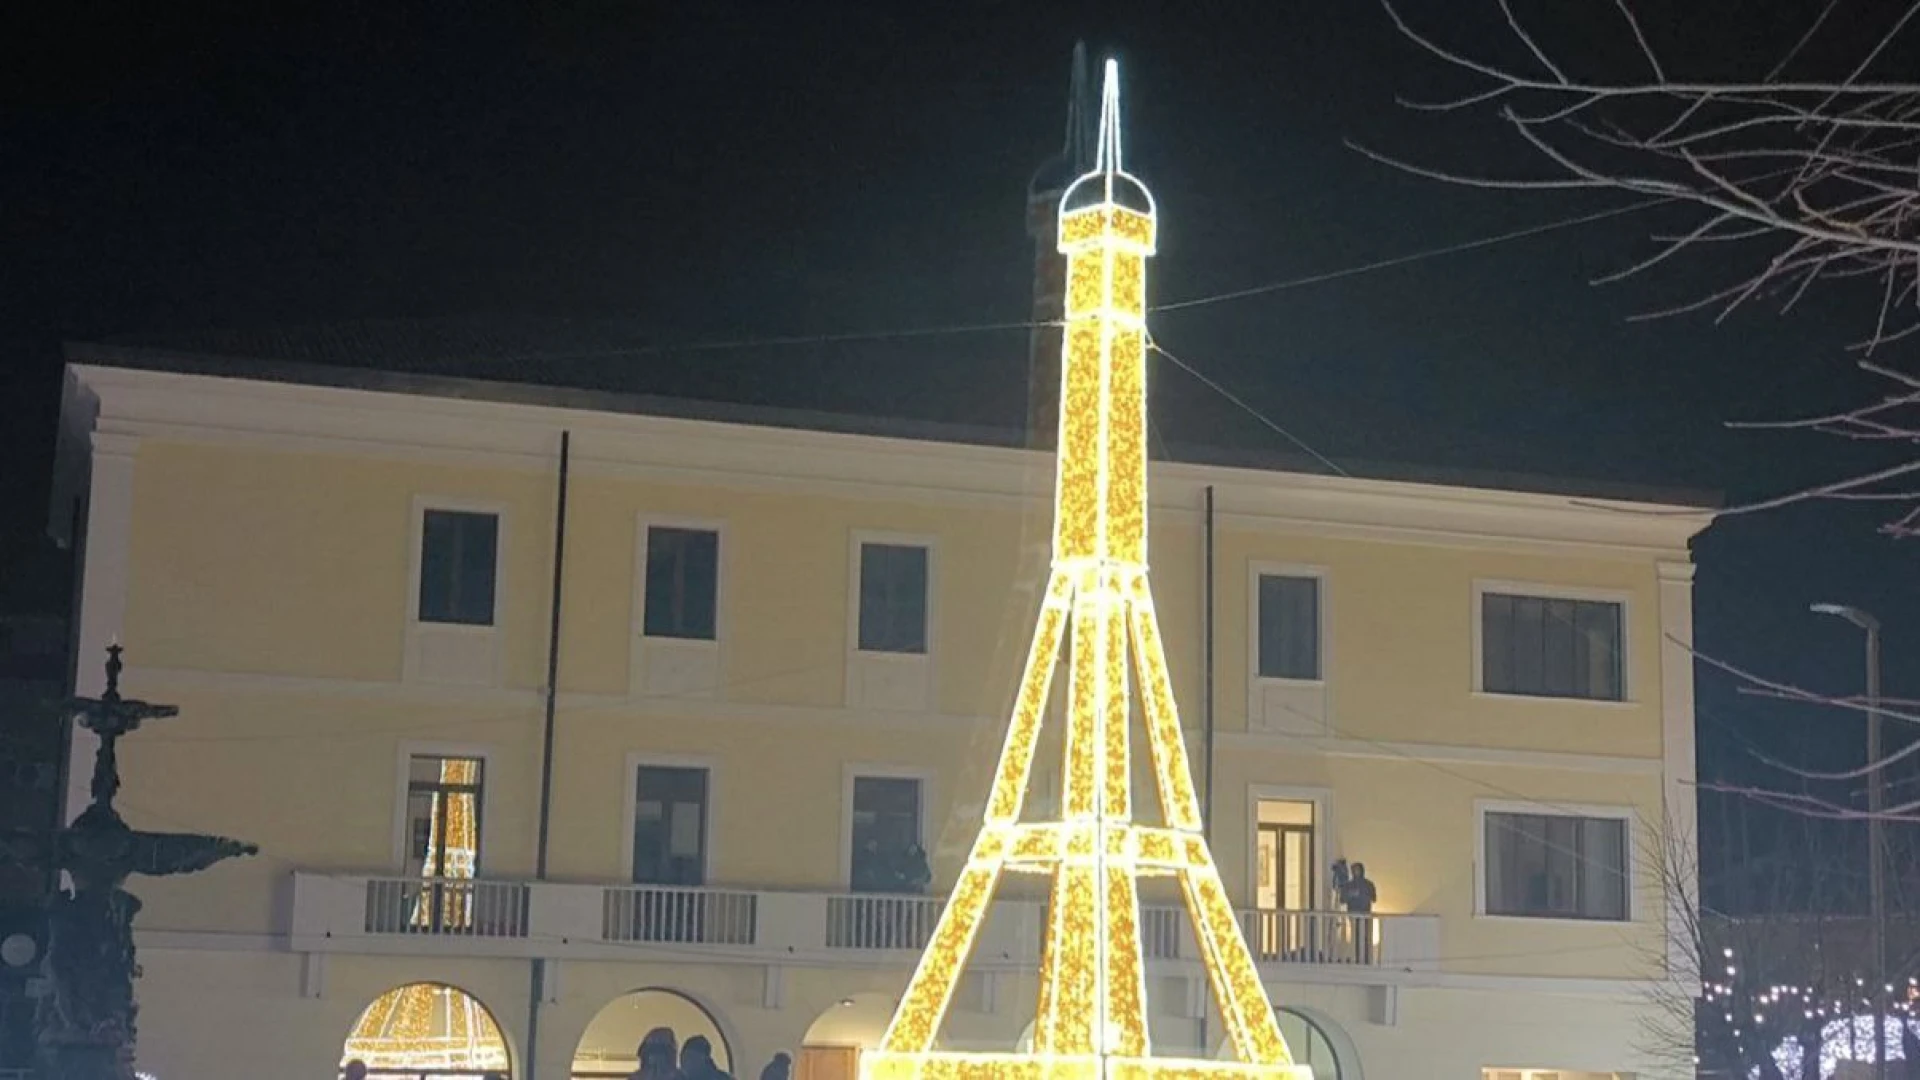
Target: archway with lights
column 428, row 1027
column 608, row 1048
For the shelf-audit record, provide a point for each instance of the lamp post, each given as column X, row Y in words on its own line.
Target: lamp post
column 1876, row 799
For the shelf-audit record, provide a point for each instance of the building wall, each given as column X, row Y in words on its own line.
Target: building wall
column 276, row 613
column 263, row 582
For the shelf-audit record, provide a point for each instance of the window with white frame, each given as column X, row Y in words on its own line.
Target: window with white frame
column 459, row 560
column 885, row 840
column 1552, row 646
column 1554, row 865
column 893, row 598
column 1289, row 626
column 683, row 583
column 443, row 815
column 670, row 825
column 442, row 839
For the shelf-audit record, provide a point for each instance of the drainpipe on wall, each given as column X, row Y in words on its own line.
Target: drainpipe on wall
column 1206, row 708
column 537, row 990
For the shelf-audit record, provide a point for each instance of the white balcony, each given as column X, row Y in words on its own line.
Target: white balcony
column 360, row 914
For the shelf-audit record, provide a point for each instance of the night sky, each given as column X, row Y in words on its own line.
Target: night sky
column 722, row 171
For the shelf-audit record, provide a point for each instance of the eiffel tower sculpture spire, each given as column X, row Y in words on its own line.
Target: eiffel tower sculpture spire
column 1092, row 1008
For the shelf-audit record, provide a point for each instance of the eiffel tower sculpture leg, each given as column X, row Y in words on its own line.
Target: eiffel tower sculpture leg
column 1091, row 1014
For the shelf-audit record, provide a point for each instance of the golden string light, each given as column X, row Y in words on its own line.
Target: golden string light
column 1091, row 1021
column 424, row 1026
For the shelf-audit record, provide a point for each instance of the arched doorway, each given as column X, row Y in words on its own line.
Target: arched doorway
column 1314, row 1042
column 1310, row 1044
column 606, row 1049
column 428, row 1027
column 831, row 1048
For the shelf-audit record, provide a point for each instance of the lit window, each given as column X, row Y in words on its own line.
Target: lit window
column 1550, row 647
column 458, row 558
column 683, row 583
column 893, row 598
column 443, row 838
column 1558, row 866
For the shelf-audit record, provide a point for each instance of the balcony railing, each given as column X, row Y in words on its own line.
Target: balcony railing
column 1311, row 937
column 462, row 907
column 518, row 918
column 660, row 913
column 874, row 921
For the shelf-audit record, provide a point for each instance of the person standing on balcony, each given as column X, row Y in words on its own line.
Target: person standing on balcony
column 696, row 1061
column 915, row 873
column 1359, row 894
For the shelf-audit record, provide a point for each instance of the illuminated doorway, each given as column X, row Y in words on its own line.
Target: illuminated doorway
column 831, row 1048
column 428, row 1029
column 1284, row 880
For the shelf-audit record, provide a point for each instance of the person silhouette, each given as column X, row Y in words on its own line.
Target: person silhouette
column 1359, row 895
column 696, row 1060
column 658, row 1052
column 780, row 1068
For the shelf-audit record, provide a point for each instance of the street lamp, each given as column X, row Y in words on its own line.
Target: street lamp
column 1876, row 799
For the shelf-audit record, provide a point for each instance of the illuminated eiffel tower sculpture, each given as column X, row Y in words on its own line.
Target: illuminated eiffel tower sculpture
column 1092, row 1022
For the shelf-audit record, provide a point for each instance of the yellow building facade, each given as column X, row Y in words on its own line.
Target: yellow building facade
column 784, row 659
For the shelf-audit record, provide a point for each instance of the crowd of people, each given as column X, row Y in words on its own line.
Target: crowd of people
column 663, row 1057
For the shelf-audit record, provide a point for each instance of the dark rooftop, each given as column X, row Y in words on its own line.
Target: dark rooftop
column 959, row 388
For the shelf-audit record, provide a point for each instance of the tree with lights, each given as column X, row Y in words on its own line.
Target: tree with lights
column 1776, row 989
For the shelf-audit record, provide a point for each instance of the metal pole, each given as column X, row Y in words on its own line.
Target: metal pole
column 537, row 977
column 1876, row 853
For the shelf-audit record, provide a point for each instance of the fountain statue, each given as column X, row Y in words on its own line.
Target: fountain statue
column 85, row 1019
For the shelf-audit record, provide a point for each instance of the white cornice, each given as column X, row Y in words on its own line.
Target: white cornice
column 307, row 418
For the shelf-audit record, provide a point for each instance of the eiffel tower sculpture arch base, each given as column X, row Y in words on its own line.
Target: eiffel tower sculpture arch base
column 1091, row 1021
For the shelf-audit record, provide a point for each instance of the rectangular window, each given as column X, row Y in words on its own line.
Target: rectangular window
column 1545, row 646
column 683, row 583
column 893, row 598
column 886, row 835
column 1289, row 627
column 670, row 826
column 442, row 839
column 1556, row 866
column 443, row 815
column 458, row 552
